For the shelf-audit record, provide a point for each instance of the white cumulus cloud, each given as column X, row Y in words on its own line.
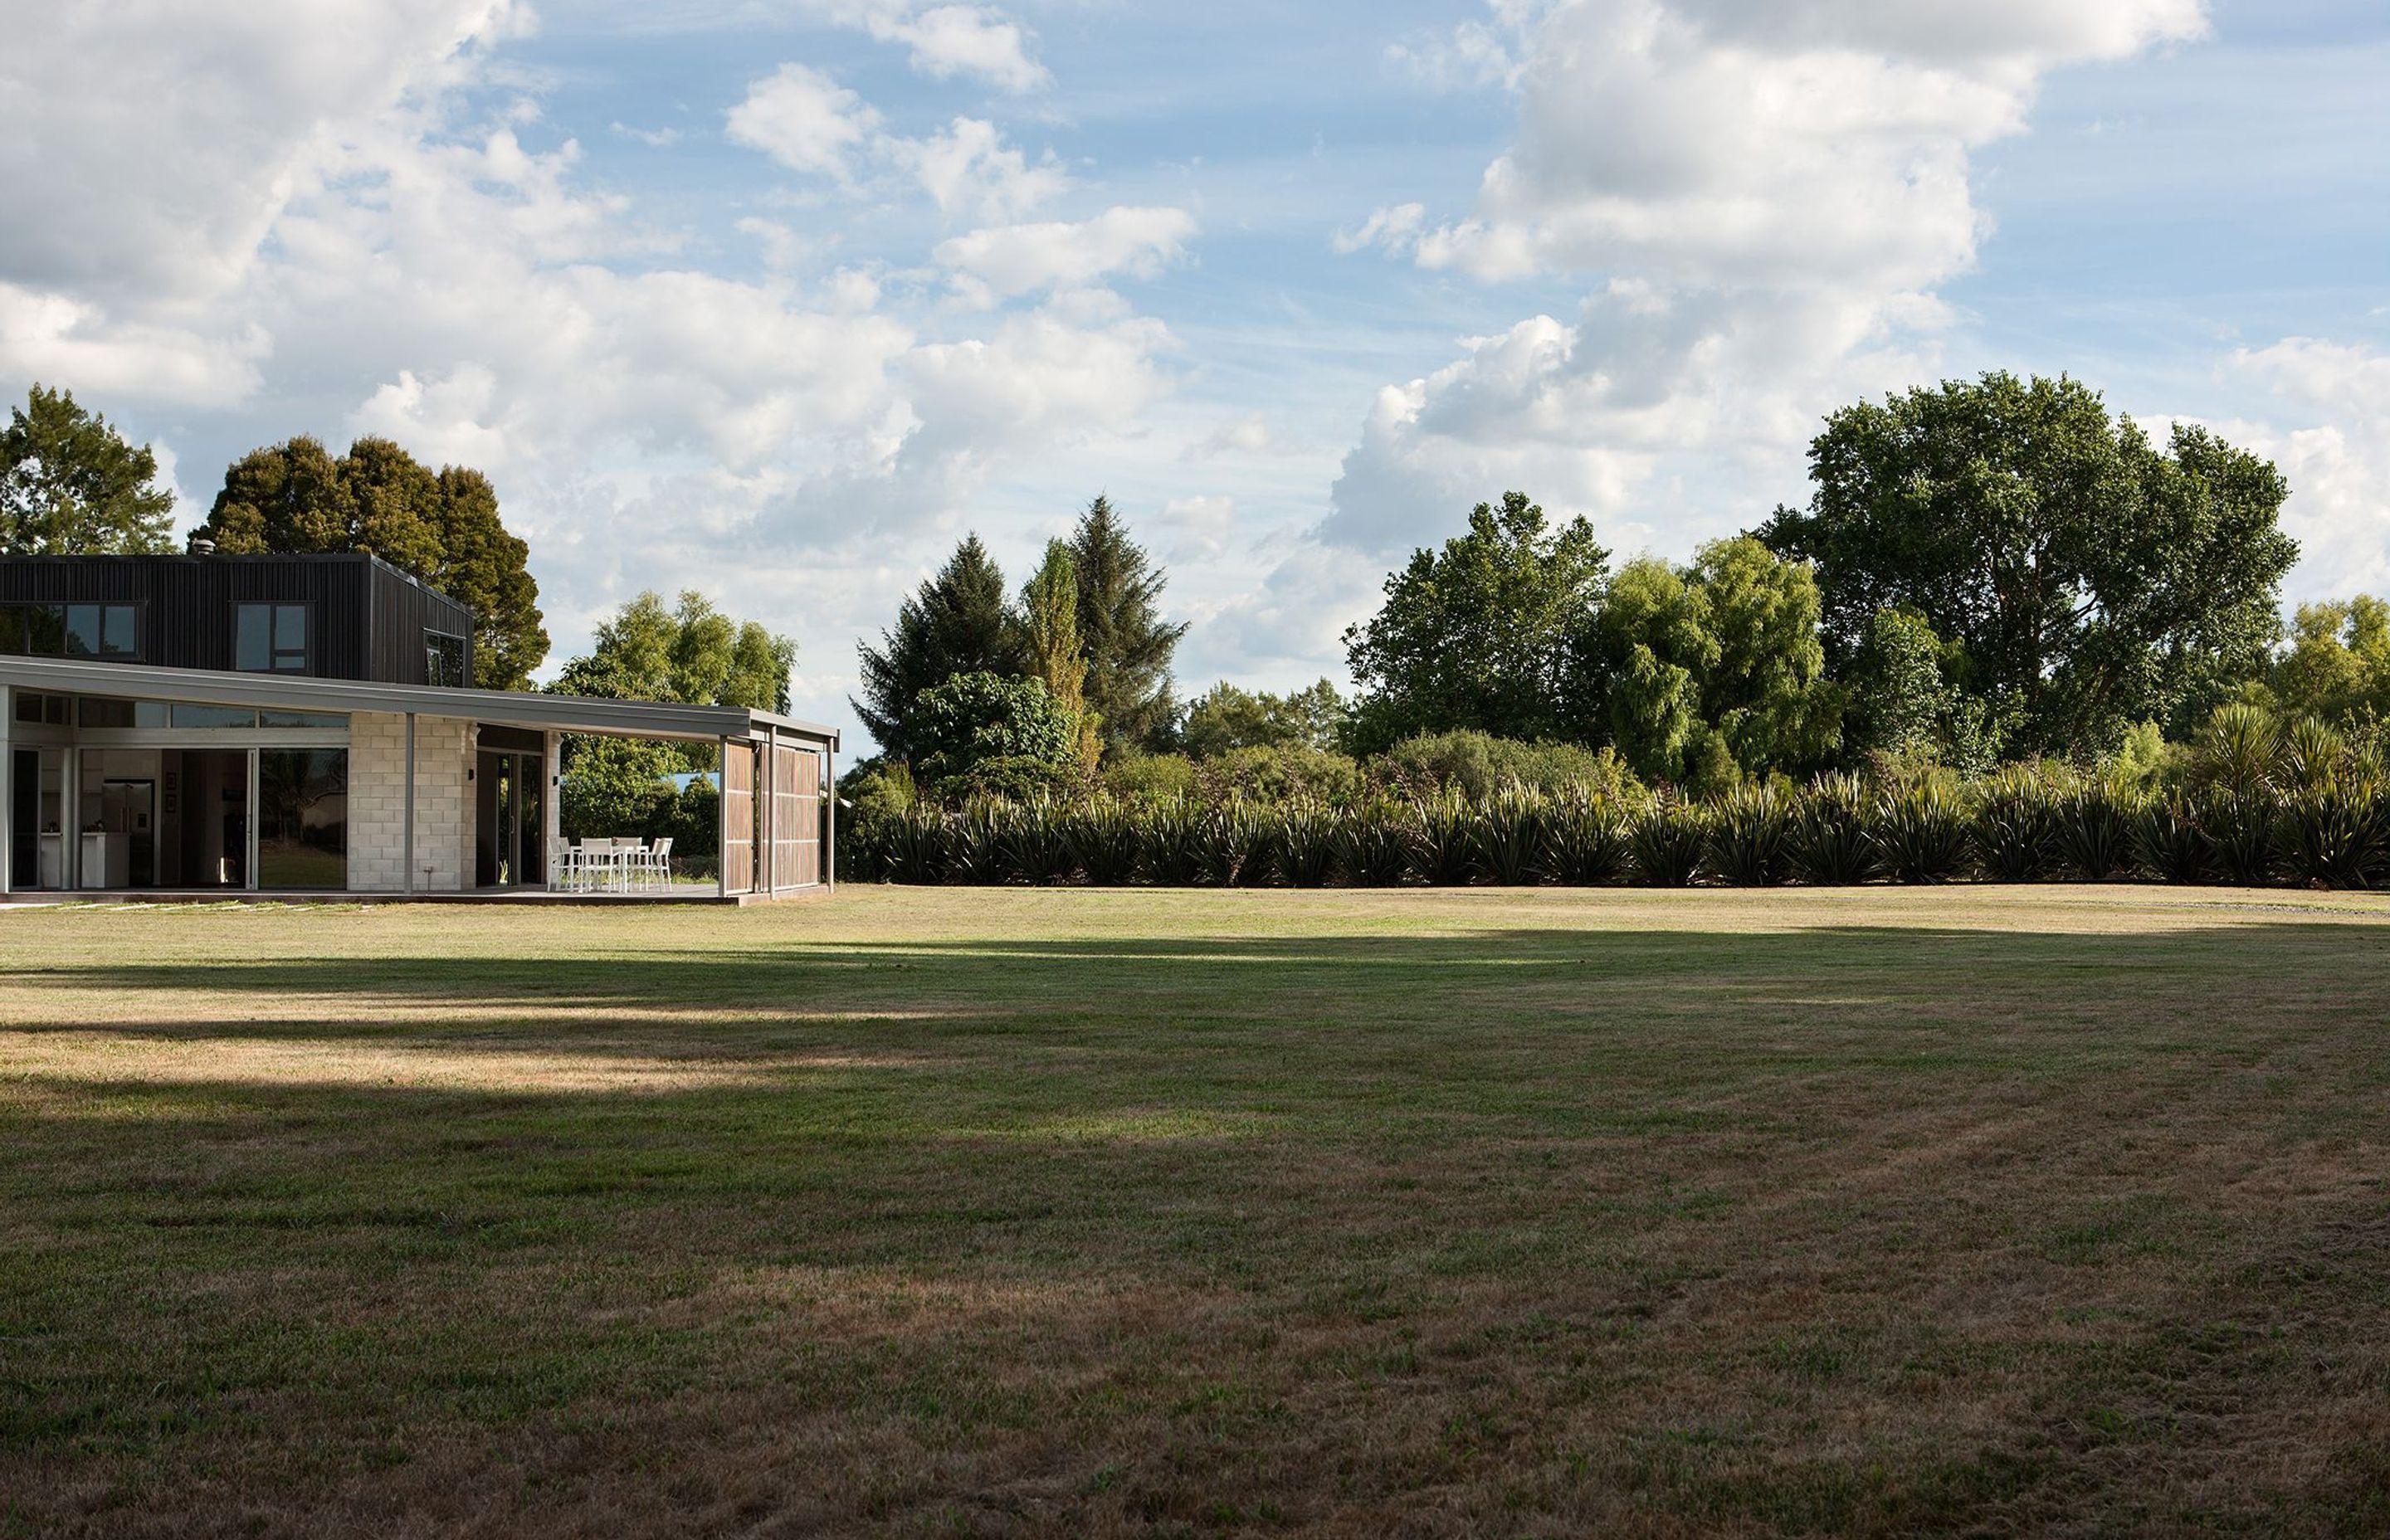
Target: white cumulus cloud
column 947, row 40
column 804, row 120
column 1008, row 259
column 2330, row 437
column 1761, row 197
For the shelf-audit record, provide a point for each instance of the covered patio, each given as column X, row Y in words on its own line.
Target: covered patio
column 132, row 781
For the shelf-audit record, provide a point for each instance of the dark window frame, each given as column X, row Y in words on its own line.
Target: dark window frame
column 18, row 630
column 275, row 651
column 433, row 674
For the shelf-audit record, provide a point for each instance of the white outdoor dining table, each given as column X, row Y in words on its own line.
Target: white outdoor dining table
column 610, row 870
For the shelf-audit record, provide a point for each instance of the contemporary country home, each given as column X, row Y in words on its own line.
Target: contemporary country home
column 280, row 725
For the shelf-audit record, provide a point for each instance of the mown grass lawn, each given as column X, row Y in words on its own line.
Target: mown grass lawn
column 2048, row 1210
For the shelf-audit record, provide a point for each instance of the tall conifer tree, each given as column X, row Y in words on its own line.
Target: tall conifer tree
column 1129, row 646
column 1049, row 623
column 959, row 623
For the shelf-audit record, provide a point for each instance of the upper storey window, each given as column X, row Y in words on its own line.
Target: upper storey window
column 111, row 631
column 270, row 638
column 444, row 660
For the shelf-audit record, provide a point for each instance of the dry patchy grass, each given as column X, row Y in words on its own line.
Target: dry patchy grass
column 1974, row 1211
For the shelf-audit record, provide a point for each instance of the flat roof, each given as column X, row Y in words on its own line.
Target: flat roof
column 193, row 558
column 570, row 713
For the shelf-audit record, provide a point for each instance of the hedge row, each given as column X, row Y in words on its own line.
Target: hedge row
column 2011, row 829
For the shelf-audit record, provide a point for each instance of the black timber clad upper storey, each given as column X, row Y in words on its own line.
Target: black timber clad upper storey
column 366, row 619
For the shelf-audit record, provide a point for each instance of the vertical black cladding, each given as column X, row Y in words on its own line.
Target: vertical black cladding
column 366, row 619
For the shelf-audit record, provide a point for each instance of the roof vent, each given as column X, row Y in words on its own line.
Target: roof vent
column 203, row 545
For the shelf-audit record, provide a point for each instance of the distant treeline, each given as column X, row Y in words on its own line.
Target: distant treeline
column 1985, row 571
column 2252, row 802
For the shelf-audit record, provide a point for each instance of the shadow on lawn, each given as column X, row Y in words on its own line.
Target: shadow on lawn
column 1810, row 1205
column 745, row 1000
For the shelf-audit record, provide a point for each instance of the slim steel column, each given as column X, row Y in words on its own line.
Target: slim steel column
column 255, row 807
column 9, row 797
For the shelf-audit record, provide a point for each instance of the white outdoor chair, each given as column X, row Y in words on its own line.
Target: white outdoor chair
column 593, row 864
column 656, row 864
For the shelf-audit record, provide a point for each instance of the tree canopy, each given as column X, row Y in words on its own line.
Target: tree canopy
column 1766, row 690
column 2083, row 578
column 444, row 527
column 1049, row 632
column 1225, row 718
column 959, row 623
column 969, row 719
column 2338, row 663
column 691, row 652
column 1489, row 632
column 70, row 485
column 1128, row 647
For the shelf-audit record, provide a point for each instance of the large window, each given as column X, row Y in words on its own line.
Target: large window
column 303, row 818
column 270, row 638
column 110, row 631
column 444, row 660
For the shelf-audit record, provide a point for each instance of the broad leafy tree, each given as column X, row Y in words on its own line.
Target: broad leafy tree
column 2086, row 578
column 690, row 652
column 969, row 719
column 1766, row 690
column 442, row 526
column 1656, row 647
column 1900, row 696
column 1225, row 718
column 1129, row 646
column 1489, row 632
column 2338, row 663
column 487, row 568
column 959, row 623
column 71, row 486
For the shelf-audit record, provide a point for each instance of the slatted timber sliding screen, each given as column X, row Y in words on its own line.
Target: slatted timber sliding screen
column 738, row 818
column 795, row 817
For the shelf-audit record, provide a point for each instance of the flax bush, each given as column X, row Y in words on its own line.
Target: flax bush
column 1444, row 840
column 2256, row 806
column 1306, row 842
column 1373, row 844
column 1751, row 837
column 1829, row 843
column 1920, row 834
column 2095, row 827
column 1509, row 836
column 1584, row 840
column 2169, row 844
column 1666, row 844
column 1108, row 838
column 2017, row 825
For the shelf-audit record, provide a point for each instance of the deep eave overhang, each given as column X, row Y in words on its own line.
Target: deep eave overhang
column 567, row 713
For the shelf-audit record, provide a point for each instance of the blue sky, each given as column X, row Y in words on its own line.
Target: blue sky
column 777, row 299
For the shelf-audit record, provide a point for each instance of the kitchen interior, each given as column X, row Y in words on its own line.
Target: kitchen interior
column 148, row 818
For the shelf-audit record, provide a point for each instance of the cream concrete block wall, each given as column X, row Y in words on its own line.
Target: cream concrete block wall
column 443, row 802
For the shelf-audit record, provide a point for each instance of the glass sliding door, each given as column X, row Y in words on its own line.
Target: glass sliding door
column 303, row 818
column 203, row 819
column 510, row 820
column 36, row 804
